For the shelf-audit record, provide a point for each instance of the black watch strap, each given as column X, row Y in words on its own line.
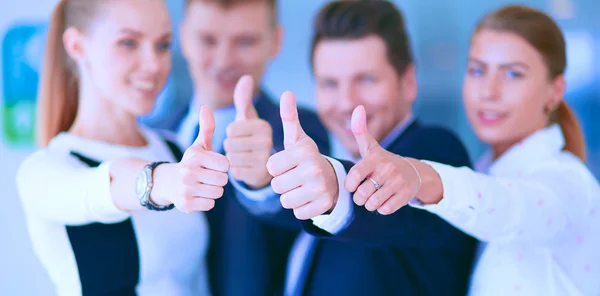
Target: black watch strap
column 150, row 205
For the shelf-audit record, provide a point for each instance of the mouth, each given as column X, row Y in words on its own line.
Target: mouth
column 147, row 87
column 489, row 117
column 228, row 80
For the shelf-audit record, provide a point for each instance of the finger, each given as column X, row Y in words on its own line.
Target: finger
column 295, row 198
column 249, row 127
column 380, row 196
column 207, row 128
column 195, row 204
column 248, row 144
column 361, row 133
column 205, row 176
column 364, row 191
column 287, row 181
column 358, row 173
column 393, row 204
column 292, row 130
column 204, row 191
column 311, row 209
column 281, row 162
column 248, row 159
column 209, row 160
column 242, row 99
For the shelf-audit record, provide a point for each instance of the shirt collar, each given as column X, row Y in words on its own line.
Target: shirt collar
column 540, row 144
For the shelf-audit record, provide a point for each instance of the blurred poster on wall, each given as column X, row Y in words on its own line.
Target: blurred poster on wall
column 22, row 52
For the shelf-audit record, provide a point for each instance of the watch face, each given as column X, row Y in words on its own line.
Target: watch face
column 141, row 183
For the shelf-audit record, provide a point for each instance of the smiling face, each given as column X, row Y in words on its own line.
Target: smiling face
column 125, row 53
column 221, row 44
column 507, row 91
column 357, row 72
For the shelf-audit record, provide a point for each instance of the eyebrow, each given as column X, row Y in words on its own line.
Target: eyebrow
column 135, row 33
column 504, row 65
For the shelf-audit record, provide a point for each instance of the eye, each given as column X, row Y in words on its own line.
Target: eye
column 129, row 43
column 246, row 41
column 368, row 79
column 164, row 46
column 514, row 74
column 475, row 71
column 327, row 83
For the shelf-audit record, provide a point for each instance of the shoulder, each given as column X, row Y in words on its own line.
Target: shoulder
column 440, row 144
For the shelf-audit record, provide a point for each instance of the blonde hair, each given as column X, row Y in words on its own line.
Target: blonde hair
column 540, row 31
column 58, row 92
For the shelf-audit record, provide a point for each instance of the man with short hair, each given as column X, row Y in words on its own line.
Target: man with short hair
column 361, row 56
column 226, row 41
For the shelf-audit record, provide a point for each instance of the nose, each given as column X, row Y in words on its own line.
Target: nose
column 492, row 86
column 151, row 59
column 349, row 98
column 224, row 56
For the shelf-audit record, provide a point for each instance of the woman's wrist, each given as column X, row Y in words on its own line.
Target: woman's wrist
column 432, row 189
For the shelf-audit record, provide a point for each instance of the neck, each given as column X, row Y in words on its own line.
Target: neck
column 100, row 120
column 212, row 101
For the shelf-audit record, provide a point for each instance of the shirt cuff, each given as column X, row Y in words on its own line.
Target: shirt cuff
column 455, row 197
column 342, row 213
column 259, row 195
column 99, row 197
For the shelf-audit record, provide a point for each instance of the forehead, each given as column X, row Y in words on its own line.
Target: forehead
column 149, row 17
column 335, row 57
column 496, row 47
column 253, row 16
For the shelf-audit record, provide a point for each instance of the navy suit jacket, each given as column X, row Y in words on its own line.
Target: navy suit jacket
column 248, row 256
column 411, row 252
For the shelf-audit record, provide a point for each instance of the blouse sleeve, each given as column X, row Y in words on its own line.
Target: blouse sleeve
column 533, row 208
column 59, row 189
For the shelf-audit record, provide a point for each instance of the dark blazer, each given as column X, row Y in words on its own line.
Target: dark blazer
column 411, row 252
column 248, row 256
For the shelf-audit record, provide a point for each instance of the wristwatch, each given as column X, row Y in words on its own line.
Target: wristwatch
column 143, row 187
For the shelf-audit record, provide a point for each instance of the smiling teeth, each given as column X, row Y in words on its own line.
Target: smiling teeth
column 144, row 85
column 490, row 115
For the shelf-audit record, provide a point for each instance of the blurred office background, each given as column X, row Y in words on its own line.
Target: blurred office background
column 440, row 33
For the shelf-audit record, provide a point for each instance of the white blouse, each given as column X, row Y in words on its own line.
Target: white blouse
column 537, row 210
column 60, row 193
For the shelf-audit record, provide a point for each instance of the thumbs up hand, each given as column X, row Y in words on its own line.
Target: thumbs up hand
column 382, row 180
column 198, row 179
column 249, row 141
column 305, row 179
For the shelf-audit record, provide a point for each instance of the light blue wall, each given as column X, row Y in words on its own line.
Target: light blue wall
column 440, row 31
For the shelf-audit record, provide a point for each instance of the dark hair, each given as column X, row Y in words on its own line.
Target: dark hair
column 349, row 20
column 541, row 32
column 230, row 3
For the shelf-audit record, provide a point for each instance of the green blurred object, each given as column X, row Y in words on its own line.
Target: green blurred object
column 22, row 52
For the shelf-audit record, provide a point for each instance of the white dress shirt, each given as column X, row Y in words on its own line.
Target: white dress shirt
column 536, row 208
column 58, row 190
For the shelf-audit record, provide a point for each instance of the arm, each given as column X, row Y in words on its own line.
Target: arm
column 406, row 227
column 59, row 189
column 535, row 208
column 265, row 204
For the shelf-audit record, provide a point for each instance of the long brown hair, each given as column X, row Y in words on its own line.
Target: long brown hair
column 58, row 92
column 540, row 31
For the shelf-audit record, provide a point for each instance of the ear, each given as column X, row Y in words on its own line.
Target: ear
column 408, row 84
column 73, row 42
column 277, row 40
column 557, row 92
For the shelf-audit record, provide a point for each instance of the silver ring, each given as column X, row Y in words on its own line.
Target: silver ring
column 377, row 185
